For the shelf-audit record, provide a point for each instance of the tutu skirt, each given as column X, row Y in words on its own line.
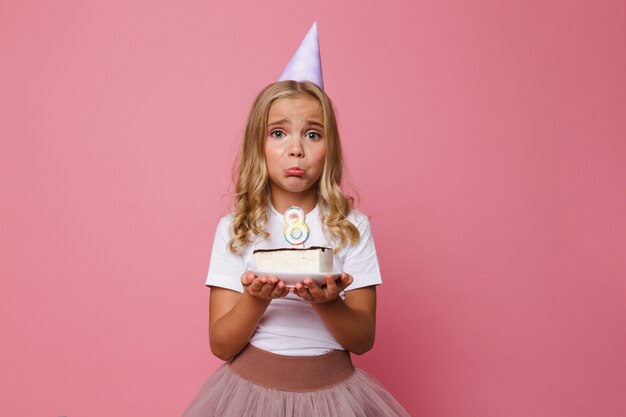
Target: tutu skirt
column 262, row 384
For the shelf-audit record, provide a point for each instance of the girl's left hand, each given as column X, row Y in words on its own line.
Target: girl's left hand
column 310, row 291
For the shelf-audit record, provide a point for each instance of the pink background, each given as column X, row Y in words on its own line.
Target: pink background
column 487, row 139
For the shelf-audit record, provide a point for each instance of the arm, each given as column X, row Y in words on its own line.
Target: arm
column 351, row 321
column 233, row 317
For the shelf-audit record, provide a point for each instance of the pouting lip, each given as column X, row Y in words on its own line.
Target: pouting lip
column 294, row 171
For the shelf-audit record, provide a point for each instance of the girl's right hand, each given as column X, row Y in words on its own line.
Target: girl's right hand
column 265, row 288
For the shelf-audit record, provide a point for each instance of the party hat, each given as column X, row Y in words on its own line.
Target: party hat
column 305, row 64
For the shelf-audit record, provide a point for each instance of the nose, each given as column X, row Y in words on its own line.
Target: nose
column 296, row 149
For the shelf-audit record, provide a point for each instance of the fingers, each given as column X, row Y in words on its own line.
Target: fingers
column 332, row 290
column 345, row 280
column 247, row 278
column 266, row 288
column 256, row 287
column 303, row 289
column 270, row 288
column 279, row 289
column 309, row 290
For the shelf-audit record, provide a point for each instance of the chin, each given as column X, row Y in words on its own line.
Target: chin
column 297, row 186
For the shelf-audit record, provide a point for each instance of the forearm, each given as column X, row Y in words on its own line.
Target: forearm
column 353, row 328
column 229, row 334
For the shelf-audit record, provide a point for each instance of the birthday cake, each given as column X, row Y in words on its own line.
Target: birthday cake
column 313, row 260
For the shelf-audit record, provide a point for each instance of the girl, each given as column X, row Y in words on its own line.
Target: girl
column 287, row 349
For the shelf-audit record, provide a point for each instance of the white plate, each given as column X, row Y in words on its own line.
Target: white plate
column 292, row 278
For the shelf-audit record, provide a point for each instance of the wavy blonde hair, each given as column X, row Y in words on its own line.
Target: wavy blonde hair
column 252, row 189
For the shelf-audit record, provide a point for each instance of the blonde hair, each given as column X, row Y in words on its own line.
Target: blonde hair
column 252, row 189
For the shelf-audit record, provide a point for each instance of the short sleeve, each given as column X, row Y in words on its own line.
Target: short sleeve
column 361, row 260
column 225, row 267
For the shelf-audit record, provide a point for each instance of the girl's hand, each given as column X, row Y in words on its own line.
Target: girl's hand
column 311, row 292
column 265, row 288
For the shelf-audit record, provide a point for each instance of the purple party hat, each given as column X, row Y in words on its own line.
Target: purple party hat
column 305, row 64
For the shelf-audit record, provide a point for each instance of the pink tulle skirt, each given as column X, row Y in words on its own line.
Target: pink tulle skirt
column 262, row 384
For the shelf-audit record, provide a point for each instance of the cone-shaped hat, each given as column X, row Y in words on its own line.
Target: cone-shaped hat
column 306, row 65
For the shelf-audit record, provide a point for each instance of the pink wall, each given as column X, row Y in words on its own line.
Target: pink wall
column 487, row 139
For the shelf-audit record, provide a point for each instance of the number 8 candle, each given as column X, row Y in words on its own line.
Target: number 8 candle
column 296, row 230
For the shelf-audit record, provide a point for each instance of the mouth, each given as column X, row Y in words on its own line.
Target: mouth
column 295, row 171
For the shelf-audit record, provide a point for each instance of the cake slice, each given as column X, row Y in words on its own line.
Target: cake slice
column 313, row 260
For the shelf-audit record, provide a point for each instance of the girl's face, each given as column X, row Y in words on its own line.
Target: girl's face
column 294, row 150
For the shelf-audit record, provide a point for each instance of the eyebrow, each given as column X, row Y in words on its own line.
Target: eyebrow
column 277, row 122
column 316, row 124
column 285, row 121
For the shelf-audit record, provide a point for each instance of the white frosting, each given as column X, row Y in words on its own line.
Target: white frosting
column 313, row 260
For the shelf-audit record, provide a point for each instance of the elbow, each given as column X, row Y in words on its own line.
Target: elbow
column 225, row 345
column 221, row 354
column 221, row 350
column 363, row 347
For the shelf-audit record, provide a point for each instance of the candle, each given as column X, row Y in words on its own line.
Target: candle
column 296, row 230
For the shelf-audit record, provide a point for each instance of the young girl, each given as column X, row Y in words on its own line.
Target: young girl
column 287, row 349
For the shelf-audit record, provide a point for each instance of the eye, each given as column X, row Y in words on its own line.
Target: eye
column 277, row 134
column 313, row 135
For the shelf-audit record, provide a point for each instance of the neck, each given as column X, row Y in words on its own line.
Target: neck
column 282, row 200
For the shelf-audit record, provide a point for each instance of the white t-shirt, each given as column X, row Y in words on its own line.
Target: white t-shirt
column 290, row 326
